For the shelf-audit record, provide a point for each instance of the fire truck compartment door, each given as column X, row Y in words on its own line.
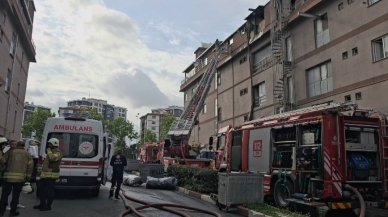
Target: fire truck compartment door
column 259, row 150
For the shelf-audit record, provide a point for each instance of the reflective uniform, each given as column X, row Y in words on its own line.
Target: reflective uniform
column 49, row 174
column 18, row 166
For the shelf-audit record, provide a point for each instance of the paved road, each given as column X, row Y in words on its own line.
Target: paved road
column 81, row 204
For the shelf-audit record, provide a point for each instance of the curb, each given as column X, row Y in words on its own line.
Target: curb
column 240, row 209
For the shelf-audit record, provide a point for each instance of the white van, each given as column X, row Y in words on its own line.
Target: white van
column 85, row 152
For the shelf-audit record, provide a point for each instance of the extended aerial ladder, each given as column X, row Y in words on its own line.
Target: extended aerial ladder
column 181, row 128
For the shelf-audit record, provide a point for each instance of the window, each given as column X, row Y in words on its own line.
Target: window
column 12, row 48
column 345, row 55
column 153, row 128
column 153, row 122
column 219, row 114
column 231, row 41
column 289, row 49
column 358, row 96
column 243, row 59
column 8, row 81
column 290, row 90
column 371, row 2
column 354, row 51
column 218, row 79
column 205, row 61
column 1, row 34
column 319, row 79
column 243, row 91
column 321, row 27
column 245, row 118
column 350, row 2
column 340, row 6
column 348, row 98
column 215, row 107
column 380, row 48
column 204, row 108
column 153, row 116
column 259, row 94
column 75, row 145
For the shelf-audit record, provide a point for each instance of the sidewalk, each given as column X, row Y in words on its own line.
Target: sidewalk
column 240, row 209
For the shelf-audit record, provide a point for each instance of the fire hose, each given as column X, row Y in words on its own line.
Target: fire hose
column 168, row 207
column 362, row 202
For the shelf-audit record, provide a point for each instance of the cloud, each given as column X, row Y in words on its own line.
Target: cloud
column 86, row 49
column 137, row 88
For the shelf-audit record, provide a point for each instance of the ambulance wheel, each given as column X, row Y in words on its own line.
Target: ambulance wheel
column 283, row 189
column 95, row 192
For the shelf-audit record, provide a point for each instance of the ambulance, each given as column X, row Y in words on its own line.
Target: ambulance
column 85, row 151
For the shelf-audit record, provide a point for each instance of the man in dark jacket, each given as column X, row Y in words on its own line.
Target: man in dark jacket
column 118, row 162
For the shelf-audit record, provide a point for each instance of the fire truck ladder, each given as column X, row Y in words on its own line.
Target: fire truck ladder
column 384, row 135
column 184, row 125
column 282, row 68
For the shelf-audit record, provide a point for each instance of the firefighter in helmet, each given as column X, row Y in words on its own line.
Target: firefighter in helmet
column 3, row 143
column 49, row 174
column 18, row 168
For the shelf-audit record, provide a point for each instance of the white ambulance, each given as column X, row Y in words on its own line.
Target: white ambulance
column 85, row 152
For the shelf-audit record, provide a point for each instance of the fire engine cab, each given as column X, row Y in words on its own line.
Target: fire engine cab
column 322, row 157
column 85, row 152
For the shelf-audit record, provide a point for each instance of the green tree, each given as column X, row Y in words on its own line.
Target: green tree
column 92, row 113
column 35, row 123
column 121, row 128
column 148, row 137
column 165, row 124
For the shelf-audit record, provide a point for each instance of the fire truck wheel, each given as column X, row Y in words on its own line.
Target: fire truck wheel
column 283, row 189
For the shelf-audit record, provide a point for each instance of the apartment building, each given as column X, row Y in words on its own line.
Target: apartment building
column 108, row 111
column 29, row 108
column 16, row 52
column 150, row 122
column 293, row 54
column 175, row 111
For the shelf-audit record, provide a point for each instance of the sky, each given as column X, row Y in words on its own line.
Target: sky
column 128, row 52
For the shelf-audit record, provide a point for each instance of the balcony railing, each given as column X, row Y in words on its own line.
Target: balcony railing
column 264, row 64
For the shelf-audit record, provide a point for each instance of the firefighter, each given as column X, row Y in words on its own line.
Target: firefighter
column 3, row 143
column 118, row 162
column 48, row 176
column 18, row 168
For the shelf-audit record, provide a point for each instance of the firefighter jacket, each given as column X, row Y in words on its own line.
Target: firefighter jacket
column 18, row 165
column 51, row 164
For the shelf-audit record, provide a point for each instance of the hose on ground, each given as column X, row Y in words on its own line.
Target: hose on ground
column 168, row 207
column 362, row 202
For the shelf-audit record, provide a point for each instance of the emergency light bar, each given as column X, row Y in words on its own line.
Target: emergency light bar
column 76, row 117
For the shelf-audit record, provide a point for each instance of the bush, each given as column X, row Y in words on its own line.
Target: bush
column 195, row 179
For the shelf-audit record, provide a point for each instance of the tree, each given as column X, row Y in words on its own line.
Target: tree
column 148, row 137
column 121, row 128
column 92, row 113
column 35, row 123
column 165, row 124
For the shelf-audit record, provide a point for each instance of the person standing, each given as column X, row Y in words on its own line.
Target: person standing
column 118, row 162
column 3, row 144
column 50, row 173
column 18, row 169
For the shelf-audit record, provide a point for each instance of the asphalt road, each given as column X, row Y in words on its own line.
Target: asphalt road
column 81, row 204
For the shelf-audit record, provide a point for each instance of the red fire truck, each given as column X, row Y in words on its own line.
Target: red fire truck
column 323, row 157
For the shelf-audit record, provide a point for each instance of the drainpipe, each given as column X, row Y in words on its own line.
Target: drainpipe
column 250, row 70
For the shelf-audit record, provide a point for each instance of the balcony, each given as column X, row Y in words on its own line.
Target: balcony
column 265, row 63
